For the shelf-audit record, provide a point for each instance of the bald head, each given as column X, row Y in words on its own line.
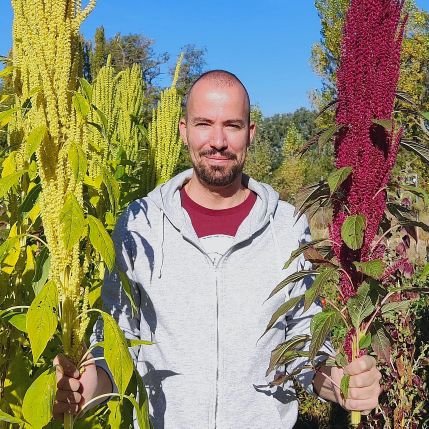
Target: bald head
column 219, row 79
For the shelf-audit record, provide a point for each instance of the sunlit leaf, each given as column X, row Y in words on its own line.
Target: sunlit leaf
column 387, row 124
column 86, row 88
column 374, row 268
column 39, row 400
column 337, row 178
column 116, row 353
column 300, row 250
column 293, row 345
column 282, row 310
column 81, row 105
column 365, row 341
column 362, row 304
column 353, row 231
column 320, row 327
column 42, row 319
column 4, row 417
column 72, row 221
column 325, row 276
column 380, row 341
column 101, row 241
column 34, row 139
column 78, row 161
column 7, row 182
column 295, row 277
column 344, row 386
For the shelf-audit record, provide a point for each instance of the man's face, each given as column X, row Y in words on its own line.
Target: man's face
column 217, row 131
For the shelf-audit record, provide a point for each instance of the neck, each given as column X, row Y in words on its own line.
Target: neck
column 216, row 197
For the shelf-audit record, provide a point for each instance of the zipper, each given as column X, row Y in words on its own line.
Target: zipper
column 217, row 349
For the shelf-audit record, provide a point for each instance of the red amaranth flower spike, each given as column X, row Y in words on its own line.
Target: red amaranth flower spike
column 366, row 79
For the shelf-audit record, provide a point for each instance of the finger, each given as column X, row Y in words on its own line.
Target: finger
column 366, row 379
column 360, row 365
column 364, row 393
column 361, row 405
column 68, row 397
column 65, row 366
column 68, row 384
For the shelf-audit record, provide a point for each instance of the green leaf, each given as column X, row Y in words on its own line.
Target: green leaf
column 126, row 286
column 341, row 360
column 325, row 276
column 299, row 275
column 365, row 341
column 353, row 231
column 78, row 161
column 72, row 222
column 419, row 149
column 112, row 187
column 81, row 105
column 41, row 274
column 344, row 386
column 280, row 355
column 18, row 320
column 374, row 268
column 34, row 139
column 6, row 116
column 103, row 119
column 42, row 319
column 142, row 413
column 301, row 249
column 7, row 71
column 86, row 88
column 39, row 400
column 7, row 246
column 115, row 416
column 8, row 181
column 425, row 115
column 387, row 124
column 361, row 305
column 30, row 200
column 116, row 353
column 337, row 177
column 391, row 308
column 380, row 341
column 321, row 326
column 101, row 241
column 328, row 134
column 283, row 309
column 4, row 417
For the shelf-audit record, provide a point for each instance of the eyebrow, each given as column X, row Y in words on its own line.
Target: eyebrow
column 201, row 119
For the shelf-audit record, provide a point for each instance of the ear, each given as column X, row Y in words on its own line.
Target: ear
column 252, row 132
column 182, row 130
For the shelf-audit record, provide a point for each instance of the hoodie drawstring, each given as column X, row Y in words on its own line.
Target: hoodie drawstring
column 162, row 242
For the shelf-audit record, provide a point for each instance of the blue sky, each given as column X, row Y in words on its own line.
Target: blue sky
column 267, row 44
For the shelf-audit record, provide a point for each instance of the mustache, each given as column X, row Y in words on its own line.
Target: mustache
column 214, row 152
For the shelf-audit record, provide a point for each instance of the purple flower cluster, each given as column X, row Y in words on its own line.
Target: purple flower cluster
column 367, row 141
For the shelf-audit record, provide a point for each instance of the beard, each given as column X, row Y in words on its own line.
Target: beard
column 218, row 175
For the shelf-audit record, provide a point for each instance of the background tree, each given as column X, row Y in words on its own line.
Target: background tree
column 259, row 157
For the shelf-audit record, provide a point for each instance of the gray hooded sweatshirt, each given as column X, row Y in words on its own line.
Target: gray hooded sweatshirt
column 207, row 366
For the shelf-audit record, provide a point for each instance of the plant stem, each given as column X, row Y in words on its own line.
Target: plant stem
column 68, row 421
column 355, row 418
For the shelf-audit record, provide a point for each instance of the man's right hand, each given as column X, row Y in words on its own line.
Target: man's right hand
column 75, row 389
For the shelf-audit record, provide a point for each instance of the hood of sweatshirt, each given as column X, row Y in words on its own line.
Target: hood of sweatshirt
column 167, row 198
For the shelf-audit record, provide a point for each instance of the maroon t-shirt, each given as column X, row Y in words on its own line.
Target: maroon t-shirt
column 207, row 222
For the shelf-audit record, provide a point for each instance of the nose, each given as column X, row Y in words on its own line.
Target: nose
column 219, row 140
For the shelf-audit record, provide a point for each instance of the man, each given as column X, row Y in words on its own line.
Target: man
column 203, row 252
